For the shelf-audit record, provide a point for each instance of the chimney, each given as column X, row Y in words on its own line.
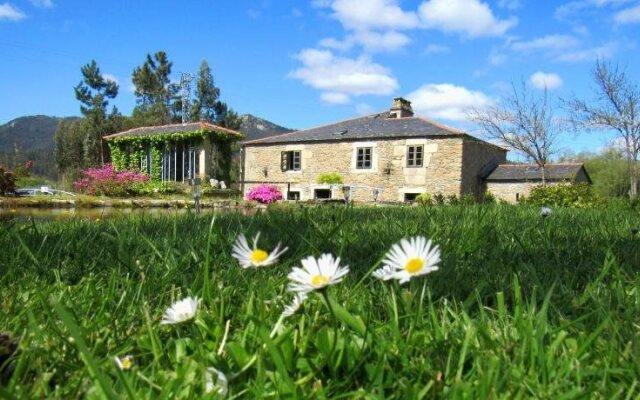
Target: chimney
column 401, row 108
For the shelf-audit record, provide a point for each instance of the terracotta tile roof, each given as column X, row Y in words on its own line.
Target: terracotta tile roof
column 532, row 172
column 369, row 127
column 174, row 128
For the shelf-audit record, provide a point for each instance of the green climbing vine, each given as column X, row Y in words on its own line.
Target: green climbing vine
column 127, row 151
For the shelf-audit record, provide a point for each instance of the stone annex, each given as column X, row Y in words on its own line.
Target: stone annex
column 391, row 156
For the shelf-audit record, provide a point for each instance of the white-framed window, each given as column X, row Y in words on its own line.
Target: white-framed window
column 291, row 160
column 364, row 157
column 415, row 156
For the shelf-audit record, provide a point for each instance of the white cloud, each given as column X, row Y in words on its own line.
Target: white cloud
column 547, row 43
column 10, row 13
column 497, row 58
column 110, row 77
column 628, row 16
column 565, row 48
column 335, row 98
column 472, row 18
column 42, row 3
column 571, row 10
column 607, row 50
column 370, row 41
column 543, row 80
column 363, row 109
column 436, row 49
column 376, row 14
column 321, row 69
column 447, row 101
column 510, row 4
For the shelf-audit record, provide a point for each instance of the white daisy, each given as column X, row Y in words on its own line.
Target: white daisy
column 222, row 383
column 385, row 273
column 181, row 311
column 124, row 363
column 254, row 257
column 408, row 259
column 316, row 274
column 291, row 309
column 545, row 211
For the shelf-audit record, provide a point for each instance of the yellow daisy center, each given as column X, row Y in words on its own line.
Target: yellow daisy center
column 319, row 280
column 258, row 256
column 126, row 363
column 414, row 265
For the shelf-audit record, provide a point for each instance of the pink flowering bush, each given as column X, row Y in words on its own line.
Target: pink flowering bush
column 106, row 181
column 265, row 194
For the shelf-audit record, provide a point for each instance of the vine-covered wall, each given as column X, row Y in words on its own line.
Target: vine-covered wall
column 127, row 151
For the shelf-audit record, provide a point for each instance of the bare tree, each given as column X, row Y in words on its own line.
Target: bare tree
column 523, row 122
column 615, row 108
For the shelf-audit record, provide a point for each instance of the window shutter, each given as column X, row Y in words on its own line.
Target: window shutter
column 283, row 161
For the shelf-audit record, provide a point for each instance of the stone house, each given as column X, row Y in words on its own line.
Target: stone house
column 387, row 156
column 176, row 152
column 511, row 182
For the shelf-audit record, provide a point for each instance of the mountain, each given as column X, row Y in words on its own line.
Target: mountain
column 34, row 132
column 258, row 128
column 30, row 138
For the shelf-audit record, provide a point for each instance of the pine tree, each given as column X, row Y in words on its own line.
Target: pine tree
column 154, row 90
column 94, row 92
column 207, row 106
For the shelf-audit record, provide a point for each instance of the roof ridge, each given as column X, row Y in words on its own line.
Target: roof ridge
column 373, row 115
column 534, row 164
column 314, row 127
column 201, row 124
column 439, row 125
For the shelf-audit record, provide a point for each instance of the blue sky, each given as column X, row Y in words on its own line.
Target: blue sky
column 309, row 62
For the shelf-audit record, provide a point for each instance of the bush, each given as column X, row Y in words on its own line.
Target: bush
column 265, row 194
column 424, row 199
column 151, row 188
column 489, row 198
column 578, row 196
column 23, row 170
column 106, row 181
column 7, row 181
column 333, row 177
column 467, row 199
column 439, row 199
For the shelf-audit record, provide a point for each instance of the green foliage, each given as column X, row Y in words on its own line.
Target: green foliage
column 7, row 181
column 155, row 188
column 154, row 91
column 608, row 170
column 577, row 195
column 522, row 307
column 489, row 198
column 330, row 178
column 439, row 199
column 207, row 105
column 424, row 199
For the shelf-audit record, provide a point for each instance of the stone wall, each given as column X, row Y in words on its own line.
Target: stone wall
column 441, row 172
column 475, row 155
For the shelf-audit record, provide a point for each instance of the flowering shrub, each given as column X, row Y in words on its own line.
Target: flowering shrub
column 265, row 194
column 23, row 170
column 7, row 181
column 106, row 181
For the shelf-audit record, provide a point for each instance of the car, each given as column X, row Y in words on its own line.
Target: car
column 42, row 190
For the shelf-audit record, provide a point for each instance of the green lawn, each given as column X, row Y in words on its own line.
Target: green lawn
column 522, row 306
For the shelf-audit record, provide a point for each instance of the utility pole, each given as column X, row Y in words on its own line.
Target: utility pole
column 185, row 86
